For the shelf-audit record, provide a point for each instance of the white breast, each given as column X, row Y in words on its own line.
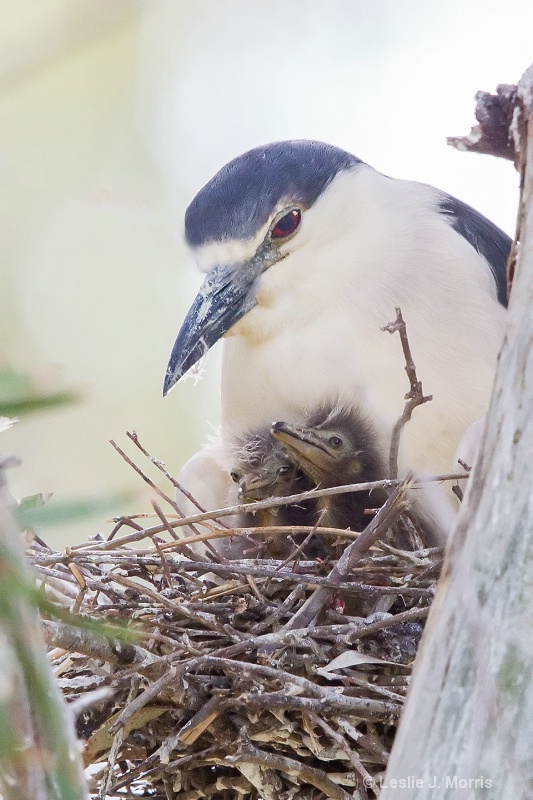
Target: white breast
column 315, row 334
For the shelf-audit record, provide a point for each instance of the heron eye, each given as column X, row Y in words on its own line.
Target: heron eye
column 287, row 224
column 235, row 477
column 335, row 442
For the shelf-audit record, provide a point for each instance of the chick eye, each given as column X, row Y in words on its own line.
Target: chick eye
column 287, row 224
column 235, row 477
column 283, row 470
column 335, row 442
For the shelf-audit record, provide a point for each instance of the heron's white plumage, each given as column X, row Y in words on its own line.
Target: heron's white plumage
column 309, row 251
column 367, row 245
column 205, row 476
column 208, row 475
column 467, row 451
column 469, row 446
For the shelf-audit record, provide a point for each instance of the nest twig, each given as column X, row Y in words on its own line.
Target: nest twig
column 415, row 396
column 254, row 678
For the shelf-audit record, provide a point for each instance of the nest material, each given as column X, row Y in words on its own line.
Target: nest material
column 254, row 679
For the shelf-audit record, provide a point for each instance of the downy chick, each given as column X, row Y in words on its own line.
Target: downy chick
column 336, row 447
column 262, row 468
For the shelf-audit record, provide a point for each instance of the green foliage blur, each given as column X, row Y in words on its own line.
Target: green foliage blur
column 21, row 394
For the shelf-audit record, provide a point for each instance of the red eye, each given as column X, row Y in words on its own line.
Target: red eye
column 287, row 224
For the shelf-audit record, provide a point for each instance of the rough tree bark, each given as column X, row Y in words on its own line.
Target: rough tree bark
column 468, row 724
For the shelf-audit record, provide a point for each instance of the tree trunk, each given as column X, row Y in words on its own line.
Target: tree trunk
column 467, row 728
column 39, row 754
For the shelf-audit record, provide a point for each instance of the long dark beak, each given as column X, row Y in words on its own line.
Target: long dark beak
column 225, row 297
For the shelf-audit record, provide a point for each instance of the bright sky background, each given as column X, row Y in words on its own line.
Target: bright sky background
column 112, row 115
column 386, row 80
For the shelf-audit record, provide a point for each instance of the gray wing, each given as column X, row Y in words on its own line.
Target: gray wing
column 485, row 237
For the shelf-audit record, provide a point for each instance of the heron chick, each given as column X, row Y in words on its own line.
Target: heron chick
column 336, row 448
column 262, row 468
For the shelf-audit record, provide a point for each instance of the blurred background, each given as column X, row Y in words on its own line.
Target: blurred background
column 113, row 113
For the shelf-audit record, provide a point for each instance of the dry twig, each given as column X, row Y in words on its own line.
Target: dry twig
column 221, row 689
column 414, row 397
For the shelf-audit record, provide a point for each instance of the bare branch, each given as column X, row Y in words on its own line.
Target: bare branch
column 414, row 397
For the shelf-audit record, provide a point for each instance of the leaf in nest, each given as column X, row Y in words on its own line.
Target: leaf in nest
column 332, row 753
column 101, row 740
column 33, row 501
column 266, row 781
column 27, row 506
column 33, row 514
column 200, row 722
column 280, row 714
column 351, row 658
column 309, row 727
column 270, row 735
column 81, row 683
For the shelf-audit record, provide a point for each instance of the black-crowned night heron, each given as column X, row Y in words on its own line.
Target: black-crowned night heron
column 308, row 251
column 334, row 448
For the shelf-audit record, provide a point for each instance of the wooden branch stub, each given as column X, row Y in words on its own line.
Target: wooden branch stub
column 493, row 133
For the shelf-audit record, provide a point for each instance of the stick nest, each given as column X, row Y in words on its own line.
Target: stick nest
column 255, row 678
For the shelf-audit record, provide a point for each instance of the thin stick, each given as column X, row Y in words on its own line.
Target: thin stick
column 414, row 397
column 145, row 478
column 161, row 467
column 273, row 502
column 376, row 528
